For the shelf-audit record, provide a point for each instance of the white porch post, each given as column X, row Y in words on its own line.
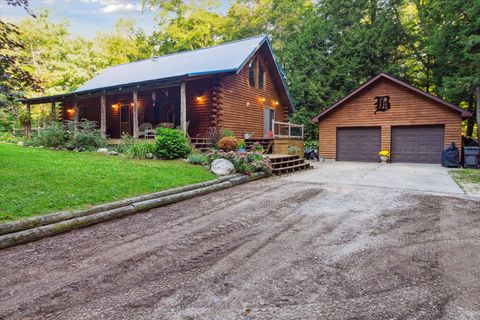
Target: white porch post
column 183, row 107
column 103, row 115
column 135, row 113
column 76, row 115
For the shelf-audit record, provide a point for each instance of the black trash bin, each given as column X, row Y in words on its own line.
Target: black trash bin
column 471, row 157
column 451, row 157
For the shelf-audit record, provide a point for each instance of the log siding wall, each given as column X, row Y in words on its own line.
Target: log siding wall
column 407, row 108
column 241, row 106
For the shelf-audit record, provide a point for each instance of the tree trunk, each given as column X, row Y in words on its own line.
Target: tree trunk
column 478, row 113
column 470, row 121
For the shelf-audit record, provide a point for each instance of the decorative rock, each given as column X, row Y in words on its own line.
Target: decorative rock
column 222, row 167
column 113, row 153
column 149, row 155
column 21, row 143
column 102, row 150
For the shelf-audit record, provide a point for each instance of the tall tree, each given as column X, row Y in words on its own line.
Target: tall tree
column 453, row 42
column 125, row 44
column 280, row 19
column 341, row 45
column 51, row 54
column 15, row 77
column 187, row 25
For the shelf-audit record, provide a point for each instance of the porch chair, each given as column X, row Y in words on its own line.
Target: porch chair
column 186, row 129
column 143, row 128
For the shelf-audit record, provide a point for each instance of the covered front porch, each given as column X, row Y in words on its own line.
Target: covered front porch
column 137, row 111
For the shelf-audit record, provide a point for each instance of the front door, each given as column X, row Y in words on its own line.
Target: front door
column 268, row 116
column 124, row 119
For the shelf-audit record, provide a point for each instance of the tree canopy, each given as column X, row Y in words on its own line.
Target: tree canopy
column 326, row 47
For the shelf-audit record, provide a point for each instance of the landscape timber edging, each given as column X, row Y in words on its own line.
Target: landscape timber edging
column 38, row 221
column 112, row 211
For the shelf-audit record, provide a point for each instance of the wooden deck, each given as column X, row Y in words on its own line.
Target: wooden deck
column 285, row 163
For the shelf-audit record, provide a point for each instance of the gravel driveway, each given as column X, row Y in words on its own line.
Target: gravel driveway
column 271, row 249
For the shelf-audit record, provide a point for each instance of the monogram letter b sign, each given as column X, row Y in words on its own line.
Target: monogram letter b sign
column 382, row 103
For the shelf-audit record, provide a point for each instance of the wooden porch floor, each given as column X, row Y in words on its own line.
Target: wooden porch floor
column 114, row 142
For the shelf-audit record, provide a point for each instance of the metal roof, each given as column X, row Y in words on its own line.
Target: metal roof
column 228, row 57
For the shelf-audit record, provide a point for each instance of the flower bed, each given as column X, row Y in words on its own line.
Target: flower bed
column 243, row 162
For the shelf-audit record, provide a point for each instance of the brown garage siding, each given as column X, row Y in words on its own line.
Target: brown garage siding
column 407, row 108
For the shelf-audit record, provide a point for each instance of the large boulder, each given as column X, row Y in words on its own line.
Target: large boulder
column 102, row 150
column 222, row 167
column 149, row 156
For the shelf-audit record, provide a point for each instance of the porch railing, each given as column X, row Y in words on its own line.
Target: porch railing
column 287, row 130
column 20, row 132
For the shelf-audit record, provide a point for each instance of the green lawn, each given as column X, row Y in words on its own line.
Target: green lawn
column 468, row 179
column 38, row 181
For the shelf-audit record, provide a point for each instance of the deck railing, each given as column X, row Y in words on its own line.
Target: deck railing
column 287, row 130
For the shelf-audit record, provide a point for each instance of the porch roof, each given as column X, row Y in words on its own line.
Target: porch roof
column 225, row 58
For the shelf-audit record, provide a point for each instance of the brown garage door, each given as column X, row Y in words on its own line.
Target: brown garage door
column 421, row 144
column 358, row 144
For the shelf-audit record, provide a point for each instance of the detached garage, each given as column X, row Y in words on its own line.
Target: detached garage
column 386, row 113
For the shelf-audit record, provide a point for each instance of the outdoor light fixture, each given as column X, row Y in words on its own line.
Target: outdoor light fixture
column 71, row 110
column 114, row 106
column 262, row 99
column 199, row 98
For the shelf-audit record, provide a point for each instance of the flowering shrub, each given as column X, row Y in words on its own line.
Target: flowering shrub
column 257, row 147
column 241, row 144
column 228, row 143
column 384, row 153
column 248, row 163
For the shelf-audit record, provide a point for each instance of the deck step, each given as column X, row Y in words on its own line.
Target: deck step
column 288, row 163
column 275, row 159
column 293, row 168
column 201, row 144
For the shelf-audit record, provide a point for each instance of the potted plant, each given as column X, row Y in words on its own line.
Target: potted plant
column 384, row 156
column 242, row 146
column 292, row 150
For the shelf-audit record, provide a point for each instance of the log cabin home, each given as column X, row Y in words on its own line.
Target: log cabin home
column 236, row 85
